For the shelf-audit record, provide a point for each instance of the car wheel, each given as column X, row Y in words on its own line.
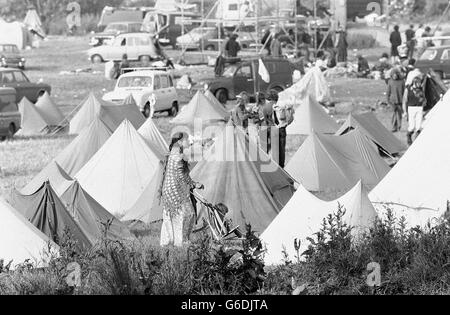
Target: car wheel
column 11, row 131
column 440, row 75
column 222, row 96
column 174, row 110
column 146, row 112
column 96, row 59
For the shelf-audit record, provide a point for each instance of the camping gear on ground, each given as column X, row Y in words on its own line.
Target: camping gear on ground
column 303, row 216
column 118, row 173
column 311, row 116
column 373, row 129
column 184, row 83
column 46, row 211
column 417, row 187
column 20, row 241
column 237, row 173
column 336, row 163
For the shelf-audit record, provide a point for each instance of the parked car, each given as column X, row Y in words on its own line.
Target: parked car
column 170, row 25
column 10, row 56
column 211, row 39
column 436, row 59
column 9, row 113
column 240, row 77
column 112, row 30
column 149, row 88
column 15, row 78
column 137, row 46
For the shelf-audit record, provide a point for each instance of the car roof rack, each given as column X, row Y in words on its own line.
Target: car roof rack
column 134, row 69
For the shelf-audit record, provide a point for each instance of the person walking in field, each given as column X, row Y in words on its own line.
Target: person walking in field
column 177, row 185
column 394, row 94
column 396, row 41
column 410, row 35
column 414, row 101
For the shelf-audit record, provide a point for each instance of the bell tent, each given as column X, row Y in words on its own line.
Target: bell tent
column 89, row 109
column 46, row 211
column 374, row 130
column 118, row 173
column 237, row 173
column 153, row 137
column 74, row 156
column 32, row 122
column 20, row 241
column 332, row 163
column 49, row 111
column 303, row 217
column 309, row 117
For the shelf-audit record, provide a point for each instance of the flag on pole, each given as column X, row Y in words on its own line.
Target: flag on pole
column 262, row 71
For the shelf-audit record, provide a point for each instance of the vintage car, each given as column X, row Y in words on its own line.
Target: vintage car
column 15, row 78
column 436, row 59
column 152, row 90
column 137, row 46
column 112, row 30
column 243, row 76
column 10, row 56
column 9, row 113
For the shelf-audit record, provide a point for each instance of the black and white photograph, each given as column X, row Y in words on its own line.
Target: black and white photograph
column 224, row 152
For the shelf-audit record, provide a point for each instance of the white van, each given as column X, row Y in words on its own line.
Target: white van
column 234, row 12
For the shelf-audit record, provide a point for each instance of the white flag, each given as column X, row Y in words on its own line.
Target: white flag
column 263, row 72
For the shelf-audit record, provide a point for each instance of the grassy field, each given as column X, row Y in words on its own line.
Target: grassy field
column 22, row 158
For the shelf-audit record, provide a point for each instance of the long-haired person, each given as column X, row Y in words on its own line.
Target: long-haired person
column 178, row 209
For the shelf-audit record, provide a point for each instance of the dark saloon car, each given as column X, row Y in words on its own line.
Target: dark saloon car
column 10, row 56
column 243, row 76
column 15, row 78
column 436, row 59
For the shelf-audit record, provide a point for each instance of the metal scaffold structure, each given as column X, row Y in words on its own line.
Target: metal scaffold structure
column 255, row 19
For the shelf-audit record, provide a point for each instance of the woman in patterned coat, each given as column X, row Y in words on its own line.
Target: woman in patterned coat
column 178, row 210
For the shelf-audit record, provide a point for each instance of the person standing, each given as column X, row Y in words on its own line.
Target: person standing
column 263, row 113
column 410, row 35
column 394, row 94
column 414, row 101
column 240, row 114
column 396, row 41
column 275, row 46
column 232, row 47
column 283, row 116
column 342, row 46
column 363, row 67
column 178, row 209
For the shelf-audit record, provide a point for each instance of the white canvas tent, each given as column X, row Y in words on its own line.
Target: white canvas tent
column 20, row 240
column 49, row 110
column 313, row 84
column 89, row 109
column 336, row 163
column 14, row 33
column 303, row 216
column 117, row 175
column 311, row 116
column 33, row 22
column 32, row 122
column 417, row 187
column 153, row 137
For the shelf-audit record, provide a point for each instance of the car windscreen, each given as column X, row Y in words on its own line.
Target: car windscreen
column 137, row 81
column 9, row 49
column 116, row 28
column 429, row 54
column 229, row 71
